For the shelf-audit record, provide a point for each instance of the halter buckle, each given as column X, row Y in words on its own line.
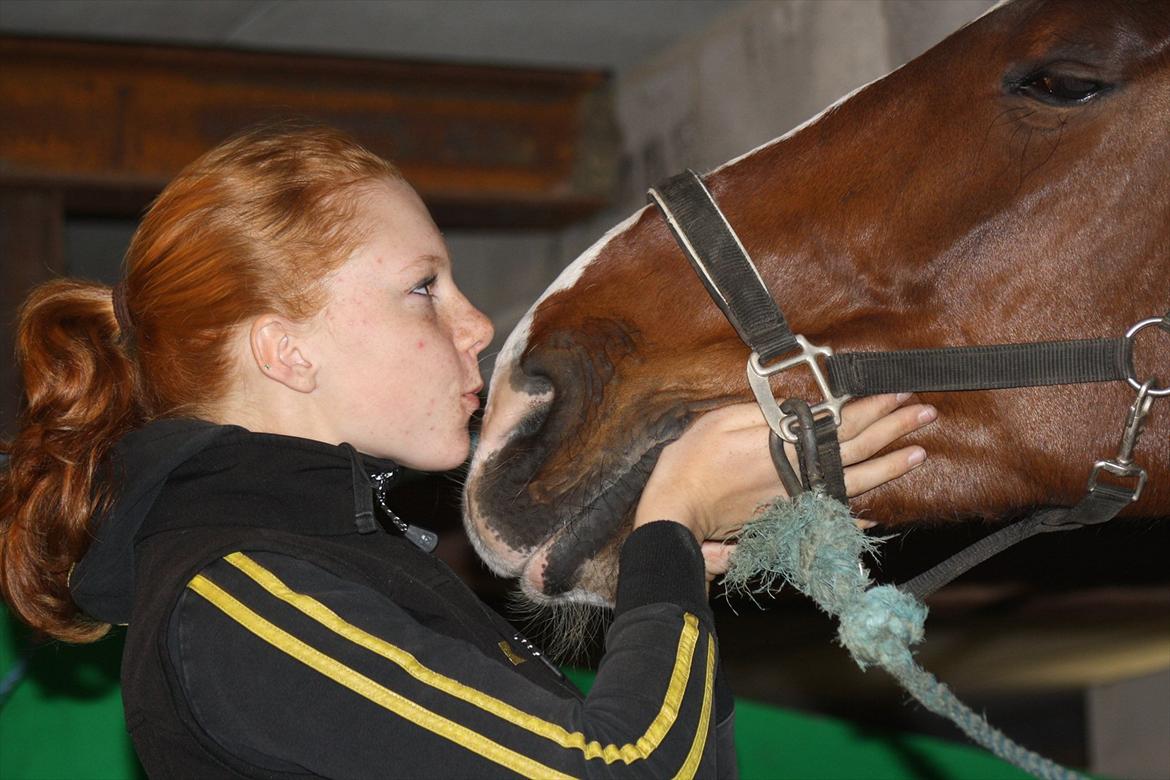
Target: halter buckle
column 758, row 375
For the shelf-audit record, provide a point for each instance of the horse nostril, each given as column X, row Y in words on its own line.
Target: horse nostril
column 533, row 377
column 518, row 406
column 539, row 386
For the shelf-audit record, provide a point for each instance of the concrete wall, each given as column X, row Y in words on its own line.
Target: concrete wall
column 761, row 70
column 752, row 75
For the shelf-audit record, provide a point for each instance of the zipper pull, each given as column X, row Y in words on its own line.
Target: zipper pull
column 422, row 538
column 531, row 648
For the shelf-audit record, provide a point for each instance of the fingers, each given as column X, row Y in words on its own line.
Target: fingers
column 733, row 417
column 869, row 474
column 731, row 442
column 859, row 414
column 716, row 558
column 884, row 430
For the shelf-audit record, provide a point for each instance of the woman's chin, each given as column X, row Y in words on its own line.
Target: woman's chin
column 427, row 457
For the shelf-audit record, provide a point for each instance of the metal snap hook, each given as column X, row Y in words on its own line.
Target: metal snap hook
column 1122, row 464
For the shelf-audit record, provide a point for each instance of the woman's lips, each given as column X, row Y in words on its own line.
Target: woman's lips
column 471, row 401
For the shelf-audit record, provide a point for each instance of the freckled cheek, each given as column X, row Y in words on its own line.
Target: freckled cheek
column 353, row 332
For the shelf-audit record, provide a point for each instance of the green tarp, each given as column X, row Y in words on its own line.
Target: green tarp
column 63, row 721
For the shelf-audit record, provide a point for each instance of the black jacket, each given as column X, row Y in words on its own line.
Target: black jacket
column 275, row 631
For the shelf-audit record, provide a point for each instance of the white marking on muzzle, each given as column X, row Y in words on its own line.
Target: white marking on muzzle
column 506, row 407
column 518, row 338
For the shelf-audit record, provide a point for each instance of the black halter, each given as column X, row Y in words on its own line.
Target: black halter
column 723, row 265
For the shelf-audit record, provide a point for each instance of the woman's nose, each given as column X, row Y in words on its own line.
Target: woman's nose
column 476, row 330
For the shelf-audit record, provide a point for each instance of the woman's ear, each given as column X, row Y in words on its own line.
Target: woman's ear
column 280, row 355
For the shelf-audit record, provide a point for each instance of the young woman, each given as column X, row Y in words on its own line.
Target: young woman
column 203, row 454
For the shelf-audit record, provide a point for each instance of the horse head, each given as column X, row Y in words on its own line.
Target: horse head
column 1012, row 184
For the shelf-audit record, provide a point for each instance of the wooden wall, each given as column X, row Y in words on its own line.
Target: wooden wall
column 96, row 129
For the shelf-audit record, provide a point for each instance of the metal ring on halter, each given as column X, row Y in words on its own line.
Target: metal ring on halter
column 1133, row 381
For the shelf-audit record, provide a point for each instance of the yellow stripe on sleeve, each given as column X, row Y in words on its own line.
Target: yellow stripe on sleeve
column 367, row 688
column 641, row 748
column 691, row 765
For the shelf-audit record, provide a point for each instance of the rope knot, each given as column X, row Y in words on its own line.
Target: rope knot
column 879, row 627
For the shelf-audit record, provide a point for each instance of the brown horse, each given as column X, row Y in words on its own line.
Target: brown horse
column 1010, row 185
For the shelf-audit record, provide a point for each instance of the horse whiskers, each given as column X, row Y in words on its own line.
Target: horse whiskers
column 499, row 464
column 1011, row 115
column 566, row 630
column 1051, row 151
column 524, row 486
column 1011, row 144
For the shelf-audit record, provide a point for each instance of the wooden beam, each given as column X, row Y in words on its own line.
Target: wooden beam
column 109, row 124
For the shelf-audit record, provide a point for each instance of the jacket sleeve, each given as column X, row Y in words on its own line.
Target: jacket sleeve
column 295, row 670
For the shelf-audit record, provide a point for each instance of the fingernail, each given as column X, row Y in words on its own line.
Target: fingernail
column 917, row 456
column 900, row 397
column 927, row 414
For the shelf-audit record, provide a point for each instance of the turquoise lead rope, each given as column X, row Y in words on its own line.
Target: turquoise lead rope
column 812, row 544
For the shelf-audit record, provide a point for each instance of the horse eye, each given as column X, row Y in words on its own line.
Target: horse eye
column 1057, row 89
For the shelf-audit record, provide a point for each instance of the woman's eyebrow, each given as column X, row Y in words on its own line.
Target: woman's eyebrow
column 432, row 260
column 425, row 262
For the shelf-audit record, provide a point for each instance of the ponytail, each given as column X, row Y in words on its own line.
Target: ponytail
column 79, row 398
column 255, row 225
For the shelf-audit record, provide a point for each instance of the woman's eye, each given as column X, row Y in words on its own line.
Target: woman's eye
column 425, row 287
column 1058, row 89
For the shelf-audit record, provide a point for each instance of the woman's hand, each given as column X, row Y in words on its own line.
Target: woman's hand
column 718, row 474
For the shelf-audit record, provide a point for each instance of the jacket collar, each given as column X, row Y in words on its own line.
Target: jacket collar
column 188, row 473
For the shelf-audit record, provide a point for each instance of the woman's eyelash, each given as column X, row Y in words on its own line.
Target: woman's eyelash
column 425, row 286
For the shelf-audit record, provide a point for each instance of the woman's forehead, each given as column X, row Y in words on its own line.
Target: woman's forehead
column 395, row 202
column 402, row 234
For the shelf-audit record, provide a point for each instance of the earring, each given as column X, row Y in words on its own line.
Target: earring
column 267, row 367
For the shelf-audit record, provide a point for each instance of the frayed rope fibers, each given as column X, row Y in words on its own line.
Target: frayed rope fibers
column 812, row 544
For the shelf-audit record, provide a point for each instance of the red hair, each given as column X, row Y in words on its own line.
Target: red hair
column 252, row 226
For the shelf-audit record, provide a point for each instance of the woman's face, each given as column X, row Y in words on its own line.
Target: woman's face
column 397, row 344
